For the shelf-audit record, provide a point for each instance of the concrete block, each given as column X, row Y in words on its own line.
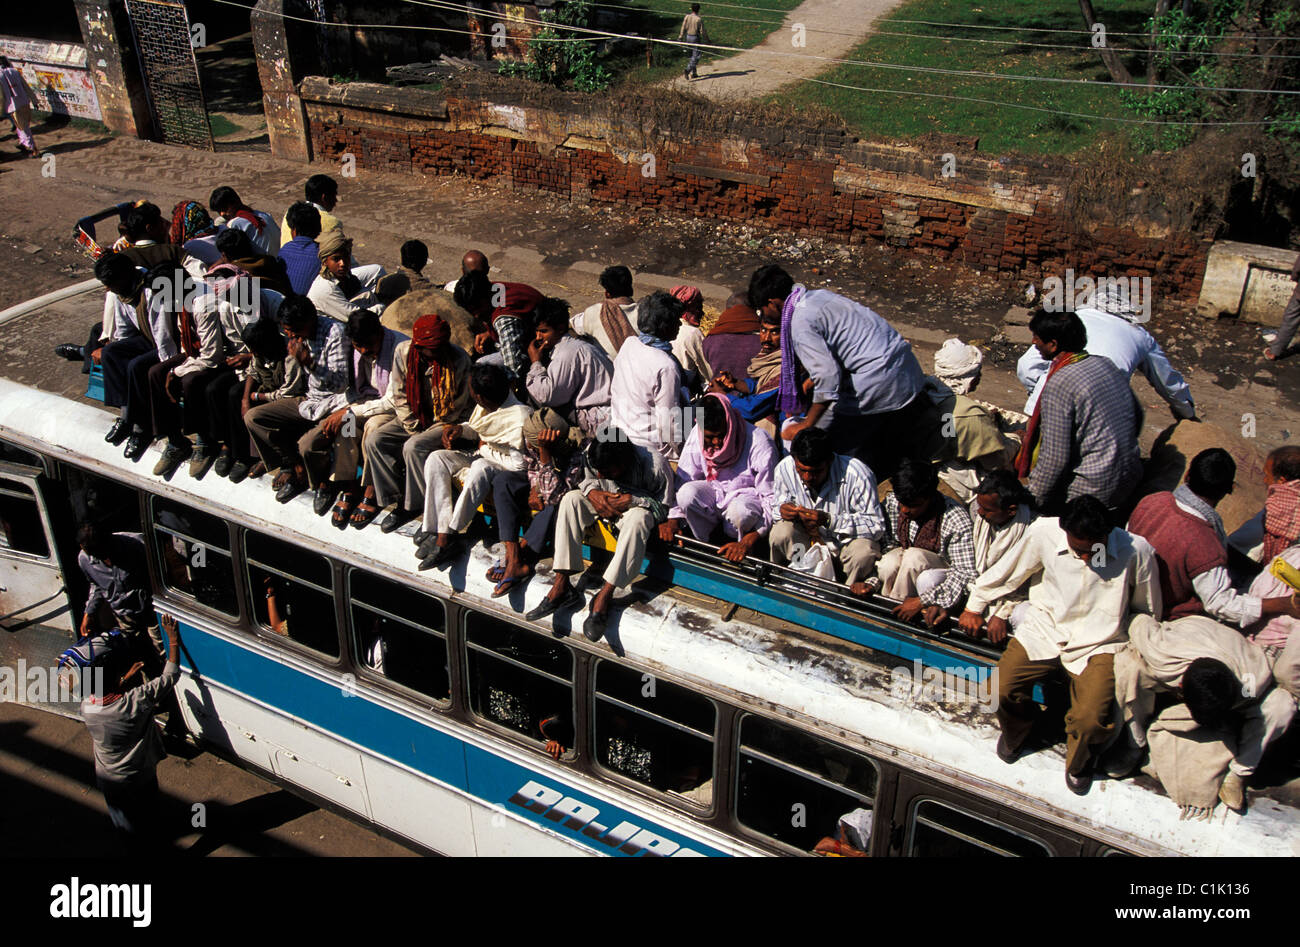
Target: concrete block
column 1248, row 281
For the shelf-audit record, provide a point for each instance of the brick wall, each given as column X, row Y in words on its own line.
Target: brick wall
column 1012, row 216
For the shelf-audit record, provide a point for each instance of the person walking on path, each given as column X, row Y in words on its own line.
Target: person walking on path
column 694, row 33
column 17, row 97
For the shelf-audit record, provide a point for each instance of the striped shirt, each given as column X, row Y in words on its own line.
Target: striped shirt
column 956, row 547
column 327, row 382
column 849, row 498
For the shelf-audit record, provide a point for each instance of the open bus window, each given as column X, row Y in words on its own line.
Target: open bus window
column 194, row 554
column 13, row 454
column 938, row 830
column 520, row 680
column 802, row 790
column 114, row 507
column 400, row 634
column 292, row 592
column 654, row 732
column 21, row 529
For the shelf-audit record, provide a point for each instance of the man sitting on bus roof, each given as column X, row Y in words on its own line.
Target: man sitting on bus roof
column 341, row 287
column 300, row 255
column 1227, row 686
column 1090, row 576
column 270, row 374
column 627, row 485
column 646, row 394
column 569, row 373
column 823, row 498
column 492, row 443
column 1000, row 514
column 930, row 557
column 286, row 430
column 724, row 481
column 257, row 225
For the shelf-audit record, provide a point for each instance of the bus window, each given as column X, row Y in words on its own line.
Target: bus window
column 194, row 554
column 654, row 732
column 939, row 830
column 292, row 592
column 399, row 633
column 114, row 507
column 796, row 788
column 520, row 680
column 21, row 529
column 13, row 454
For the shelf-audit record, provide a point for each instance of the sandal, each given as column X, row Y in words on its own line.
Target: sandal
column 365, row 513
column 504, row 586
column 495, row 573
column 283, row 477
column 343, row 507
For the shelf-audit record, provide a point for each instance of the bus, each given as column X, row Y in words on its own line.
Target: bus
column 734, row 714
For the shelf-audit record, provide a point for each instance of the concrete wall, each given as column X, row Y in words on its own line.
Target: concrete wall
column 114, row 67
column 1010, row 216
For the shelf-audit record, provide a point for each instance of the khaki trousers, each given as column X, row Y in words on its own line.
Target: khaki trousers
column 856, row 557
column 900, row 569
column 576, row 514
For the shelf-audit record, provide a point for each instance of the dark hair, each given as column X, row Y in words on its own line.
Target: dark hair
column 138, row 220
column 364, row 325
column 265, row 340
column 92, row 539
column 614, row 450
column 222, row 198
column 320, row 185
column 812, row 447
column 914, row 481
column 304, row 220
column 713, row 415
column 414, row 255
column 490, row 382
column 695, row 8
column 769, row 282
column 1286, row 462
column 1064, row 328
column 740, row 298
column 617, row 281
column 1007, row 487
column 297, row 312
column 1211, row 472
column 660, row 315
column 114, row 268
column 473, row 291
column 767, row 318
column 234, row 244
column 1210, row 690
column 392, row 288
column 1086, row 517
column 554, row 313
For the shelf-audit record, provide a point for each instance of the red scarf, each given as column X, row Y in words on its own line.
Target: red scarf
column 1029, row 446
column 927, row 532
column 431, row 332
column 189, row 334
column 252, row 218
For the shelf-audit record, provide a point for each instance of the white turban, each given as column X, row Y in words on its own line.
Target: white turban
column 957, row 365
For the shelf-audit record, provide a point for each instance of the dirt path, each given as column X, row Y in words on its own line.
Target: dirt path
column 830, row 29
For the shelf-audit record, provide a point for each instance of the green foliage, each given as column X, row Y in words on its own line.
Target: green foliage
column 555, row 58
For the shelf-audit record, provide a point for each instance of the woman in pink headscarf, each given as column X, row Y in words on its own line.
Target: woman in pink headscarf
column 688, row 347
column 724, row 480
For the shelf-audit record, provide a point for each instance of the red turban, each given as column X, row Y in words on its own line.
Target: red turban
column 692, row 297
column 431, row 331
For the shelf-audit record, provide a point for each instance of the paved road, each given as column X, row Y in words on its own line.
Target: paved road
column 47, row 783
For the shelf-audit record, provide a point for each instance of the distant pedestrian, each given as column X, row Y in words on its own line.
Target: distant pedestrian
column 694, row 33
column 17, row 98
column 1290, row 319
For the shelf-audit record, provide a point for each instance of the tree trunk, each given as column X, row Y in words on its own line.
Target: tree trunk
column 1108, row 56
column 1162, row 7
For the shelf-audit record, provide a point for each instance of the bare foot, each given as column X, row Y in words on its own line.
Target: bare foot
column 1268, row 354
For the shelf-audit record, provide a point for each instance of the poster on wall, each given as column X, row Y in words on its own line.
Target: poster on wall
column 57, row 74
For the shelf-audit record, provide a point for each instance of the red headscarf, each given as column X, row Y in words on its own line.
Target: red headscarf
column 429, row 332
column 732, row 444
column 693, row 299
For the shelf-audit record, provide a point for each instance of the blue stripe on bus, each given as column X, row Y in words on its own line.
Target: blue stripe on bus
column 495, row 780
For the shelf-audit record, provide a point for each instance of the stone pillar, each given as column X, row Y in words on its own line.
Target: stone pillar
column 286, row 52
column 115, row 67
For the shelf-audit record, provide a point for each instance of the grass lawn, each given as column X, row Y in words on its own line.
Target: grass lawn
column 999, row 126
column 742, row 24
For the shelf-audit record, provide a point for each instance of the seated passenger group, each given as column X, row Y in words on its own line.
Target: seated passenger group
column 767, row 433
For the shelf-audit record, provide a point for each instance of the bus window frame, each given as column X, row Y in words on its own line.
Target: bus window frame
column 463, row 644
column 879, row 827
column 915, row 802
column 265, row 632
column 29, row 477
column 716, row 808
column 369, row 674
column 242, row 611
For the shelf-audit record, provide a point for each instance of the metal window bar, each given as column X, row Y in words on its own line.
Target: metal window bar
column 804, row 774
column 161, row 29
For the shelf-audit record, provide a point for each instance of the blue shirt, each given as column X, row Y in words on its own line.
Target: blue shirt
column 301, row 259
column 858, row 362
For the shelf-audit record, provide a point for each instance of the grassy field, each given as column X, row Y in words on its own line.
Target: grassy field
column 998, row 124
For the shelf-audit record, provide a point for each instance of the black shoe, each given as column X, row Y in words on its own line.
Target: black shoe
column 326, row 493
column 136, row 445
column 449, row 553
column 1005, row 753
column 201, row 463
column 594, row 627
column 172, row 457
column 225, row 463
column 70, row 351
column 1079, row 785
column 571, row 599
column 291, row 488
column 118, row 433
column 396, row 520
column 426, row 549
column 237, row 472
column 422, row 536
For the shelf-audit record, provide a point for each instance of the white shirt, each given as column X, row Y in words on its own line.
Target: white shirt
column 1129, row 347
column 1077, row 609
column 991, row 544
column 645, row 398
column 329, row 298
column 121, row 320
column 688, row 347
column 269, row 239
column 849, row 497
